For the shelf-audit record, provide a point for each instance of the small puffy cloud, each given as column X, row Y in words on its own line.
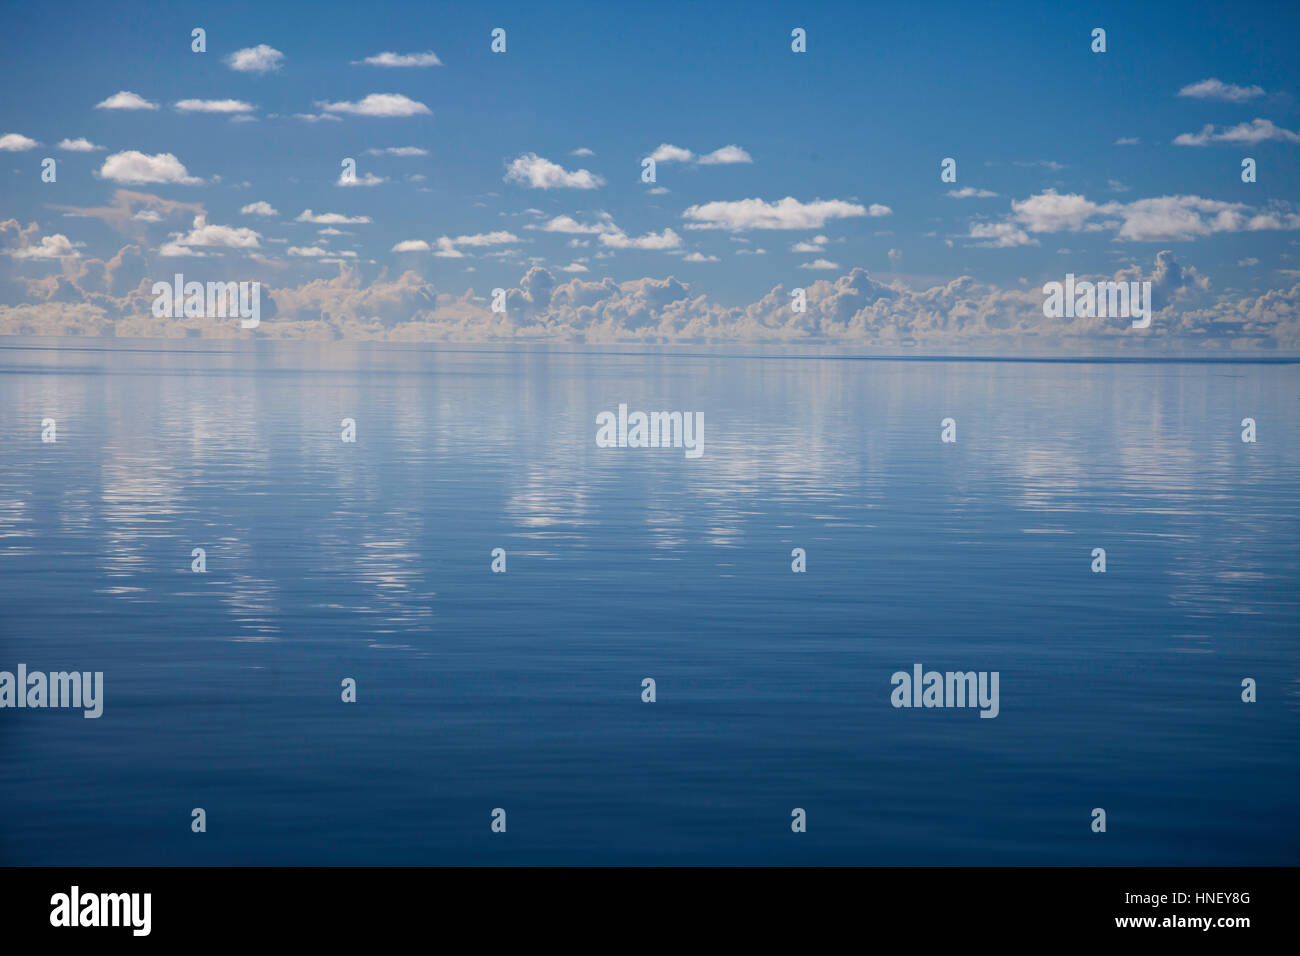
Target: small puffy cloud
column 1213, row 89
column 699, row 257
column 1256, row 131
column 259, row 208
column 574, row 267
column 814, row 244
column 1000, row 235
column 498, row 238
column 126, row 100
column 369, row 179
column 970, row 192
column 56, row 246
column 132, row 166
column 380, row 104
column 79, row 145
column 650, row 241
column 726, row 156
column 330, row 218
column 309, row 252
column 582, row 151
column 411, row 245
column 148, row 215
column 316, row 117
column 1050, row 211
column 16, row 142
column 567, row 224
column 787, row 213
column 214, row 106
column 428, row 58
column 537, row 172
column 819, row 264
column 447, row 249
column 203, row 235
column 255, row 59
column 398, row 151
column 668, row 153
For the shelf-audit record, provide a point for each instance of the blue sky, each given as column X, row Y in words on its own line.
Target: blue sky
column 859, row 123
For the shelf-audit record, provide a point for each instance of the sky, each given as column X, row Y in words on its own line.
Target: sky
column 774, row 170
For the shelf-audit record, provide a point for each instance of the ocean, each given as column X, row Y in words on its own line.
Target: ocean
column 522, row 691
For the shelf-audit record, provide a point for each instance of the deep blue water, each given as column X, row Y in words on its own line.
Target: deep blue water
column 522, row 690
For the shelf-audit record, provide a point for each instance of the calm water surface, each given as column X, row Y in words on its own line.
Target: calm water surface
column 521, row 690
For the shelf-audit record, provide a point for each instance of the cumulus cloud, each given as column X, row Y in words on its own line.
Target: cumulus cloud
column 1214, row 89
column 16, row 142
column 788, row 213
column 537, row 172
column 1161, row 218
column 369, row 179
column 668, row 153
column 330, row 218
column 411, row 245
column 134, row 167
column 1001, row 235
column 256, row 59
column 582, row 151
column 79, row 145
column 970, row 192
column 650, row 241
column 203, row 235
column 567, row 224
column 819, row 264
column 214, row 106
column 56, row 246
column 126, row 100
column 379, row 104
column 428, row 58
column 726, row 156
column 259, row 208
column 814, row 244
column 1256, row 131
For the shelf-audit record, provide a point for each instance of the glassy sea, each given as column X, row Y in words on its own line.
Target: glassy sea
column 522, row 690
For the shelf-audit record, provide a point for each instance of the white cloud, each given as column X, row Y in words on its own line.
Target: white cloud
column 1213, row 89
column 411, row 245
column 498, row 238
column 819, row 264
column 814, row 244
column 428, row 58
column 447, row 249
column 16, row 142
column 132, row 166
column 316, row 117
column 309, row 252
column 126, row 100
column 1126, row 141
column 56, row 246
column 255, row 59
column 726, row 156
column 582, row 151
column 668, row 153
column 379, row 104
column 79, row 145
column 574, row 267
column 330, row 218
column 787, row 213
column 398, row 151
column 538, row 173
column 1001, row 235
column 259, row 208
column 369, row 179
column 203, row 235
column 1166, row 218
column 148, row 215
column 970, row 192
column 1256, row 131
column 699, row 257
column 214, row 106
column 664, row 240
column 568, row 224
